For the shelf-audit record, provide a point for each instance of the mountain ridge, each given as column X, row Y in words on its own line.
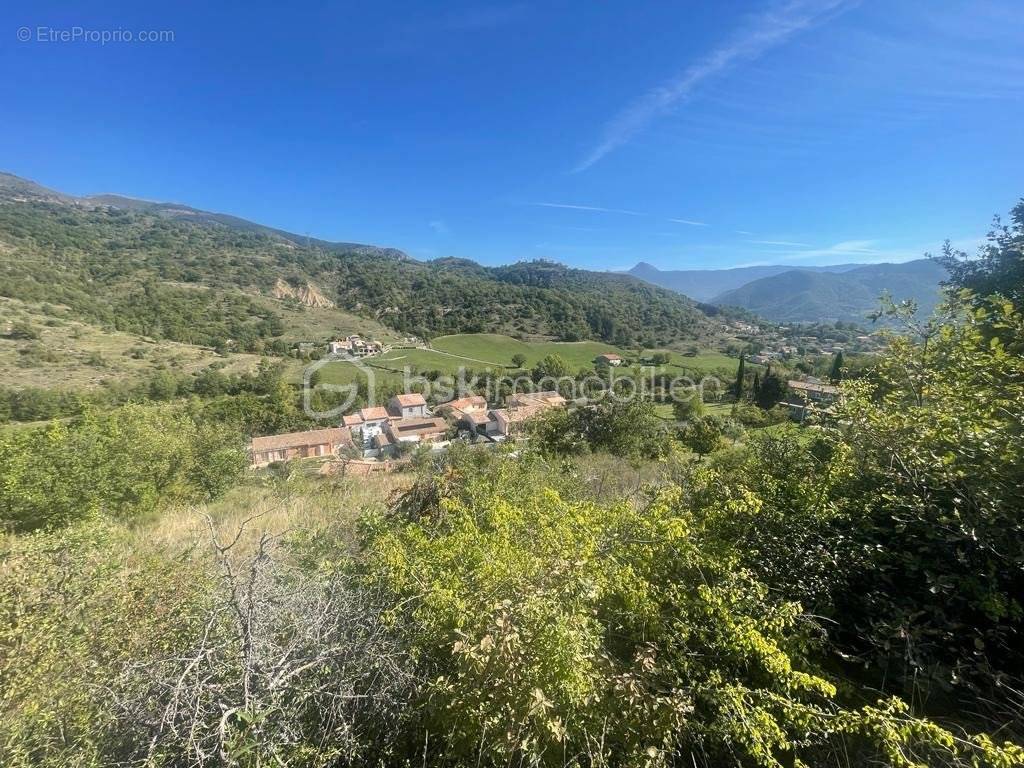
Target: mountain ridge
column 807, row 296
column 136, row 265
column 706, row 284
column 180, row 211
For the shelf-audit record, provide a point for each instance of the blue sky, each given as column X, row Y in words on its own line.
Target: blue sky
column 685, row 134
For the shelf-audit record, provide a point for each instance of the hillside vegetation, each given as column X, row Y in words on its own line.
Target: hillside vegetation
column 199, row 279
column 42, row 346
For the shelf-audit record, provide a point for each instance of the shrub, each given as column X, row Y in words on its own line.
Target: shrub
column 555, row 631
column 123, row 463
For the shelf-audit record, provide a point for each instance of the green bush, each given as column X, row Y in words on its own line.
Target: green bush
column 123, row 463
column 77, row 612
column 630, row 429
column 556, row 631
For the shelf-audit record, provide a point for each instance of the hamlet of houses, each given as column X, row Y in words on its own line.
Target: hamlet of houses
column 382, row 432
column 357, row 346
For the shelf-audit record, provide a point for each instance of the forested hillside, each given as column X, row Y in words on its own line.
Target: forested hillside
column 801, row 295
column 151, row 270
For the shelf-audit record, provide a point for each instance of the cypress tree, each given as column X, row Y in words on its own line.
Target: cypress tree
column 739, row 379
column 836, row 373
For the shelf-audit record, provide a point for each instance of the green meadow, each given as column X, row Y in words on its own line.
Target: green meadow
column 479, row 351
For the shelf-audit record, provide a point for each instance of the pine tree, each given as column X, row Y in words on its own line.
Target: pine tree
column 756, row 389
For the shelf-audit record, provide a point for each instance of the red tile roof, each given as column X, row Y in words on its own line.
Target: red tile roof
column 515, row 415
column 467, row 403
column 409, row 401
column 417, row 426
column 335, row 436
column 378, row 413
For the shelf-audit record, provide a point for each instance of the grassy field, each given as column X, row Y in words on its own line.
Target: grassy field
column 498, row 350
column 73, row 355
column 478, row 351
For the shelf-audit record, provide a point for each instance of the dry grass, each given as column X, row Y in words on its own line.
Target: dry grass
column 73, row 355
column 296, row 505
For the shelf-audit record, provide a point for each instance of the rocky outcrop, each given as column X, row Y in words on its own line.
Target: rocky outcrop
column 307, row 294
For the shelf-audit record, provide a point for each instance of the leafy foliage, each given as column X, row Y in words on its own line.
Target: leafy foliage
column 556, row 631
column 124, row 463
column 630, row 429
column 937, row 437
column 999, row 266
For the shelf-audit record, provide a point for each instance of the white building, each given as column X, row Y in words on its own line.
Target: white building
column 408, row 406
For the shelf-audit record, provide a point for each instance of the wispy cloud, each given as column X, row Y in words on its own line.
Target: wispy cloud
column 438, row 226
column 787, row 243
column 851, row 248
column 690, row 222
column 595, row 208
column 758, row 35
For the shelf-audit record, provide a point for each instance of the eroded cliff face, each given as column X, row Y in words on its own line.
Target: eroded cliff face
column 307, row 294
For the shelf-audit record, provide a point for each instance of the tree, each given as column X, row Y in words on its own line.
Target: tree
column 740, row 372
column 688, row 408
column 124, row 463
column 163, row 386
column 771, row 390
column 518, row 360
column 999, row 266
column 702, row 435
column 630, row 429
column 550, row 367
column 836, row 372
column 934, row 435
